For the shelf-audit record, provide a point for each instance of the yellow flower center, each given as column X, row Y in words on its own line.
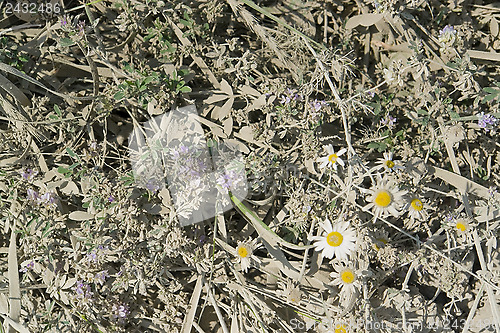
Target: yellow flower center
column 340, row 329
column 380, row 240
column 334, row 238
column 333, row 158
column 462, row 226
column 417, row 204
column 383, row 199
column 390, row 164
column 242, row 252
column 348, row 276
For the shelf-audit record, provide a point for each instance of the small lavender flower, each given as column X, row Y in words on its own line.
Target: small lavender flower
column 48, row 199
column 111, row 198
column 83, row 293
column 100, row 277
column 153, row 185
column 486, row 121
column 32, row 195
column 29, row 266
column 229, row 180
column 285, row 100
column 447, row 36
column 120, row 312
column 388, row 121
column 81, row 27
column 492, row 190
column 29, row 174
column 316, row 105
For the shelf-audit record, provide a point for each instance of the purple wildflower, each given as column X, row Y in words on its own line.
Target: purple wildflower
column 83, row 292
column 316, row 105
column 229, row 180
column 32, row 195
column 111, row 198
column 486, row 121
column 48, row 199
column 153, row 185
column 388, row 121
column 29, row 174
column 29, row 266
column 285, row 100
column 447, row 36
column 119, row 312
column 100, row 277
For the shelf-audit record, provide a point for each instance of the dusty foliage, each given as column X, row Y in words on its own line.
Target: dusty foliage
column 369, row 137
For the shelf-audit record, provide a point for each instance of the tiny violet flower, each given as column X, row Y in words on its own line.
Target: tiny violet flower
column 32, row 195
column 83, row 292
column 100, row 277
column 316, row 105
column 111, row 198
column 29, row 174
column 48, row 199
column 285, row 100
column 486, row 121
column 388, row 121
column 447, row 36
column 120, row 312
column 29, row 266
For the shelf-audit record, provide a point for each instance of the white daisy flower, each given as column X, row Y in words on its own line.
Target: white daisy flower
column 347, row 278
column 384, row 199
column 416, row 210
column 332, row 158
column 460, row 226
column 388, row 162
column 339, row 240
column 244, row 254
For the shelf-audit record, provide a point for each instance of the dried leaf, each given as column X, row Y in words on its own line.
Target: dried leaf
column 365, row 20
column 80, row 216
column 215, row 98
column 494, row 27
column 226, row 88
column 13, row 275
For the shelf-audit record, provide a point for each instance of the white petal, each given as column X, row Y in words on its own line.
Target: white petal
column 327, row 225
column 341, row 151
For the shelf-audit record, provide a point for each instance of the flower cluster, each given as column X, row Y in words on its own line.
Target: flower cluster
column 290, row 95
column 83, row 293
column 119, row 313
column 486, row 121
column 29, row 174
column 447, row 36
column 48, row 199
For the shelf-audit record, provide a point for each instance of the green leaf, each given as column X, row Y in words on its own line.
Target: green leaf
column 70, row 152
column 185, row 89
column 263, row 229
column 63, row 170
column 57, row 110
column 65, row 42
column 119, row 95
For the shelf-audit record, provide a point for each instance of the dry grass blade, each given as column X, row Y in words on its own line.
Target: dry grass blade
column 14, row 287
column 13, row 71
column 193, row 304
column 14, row 91
column 18, row 327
